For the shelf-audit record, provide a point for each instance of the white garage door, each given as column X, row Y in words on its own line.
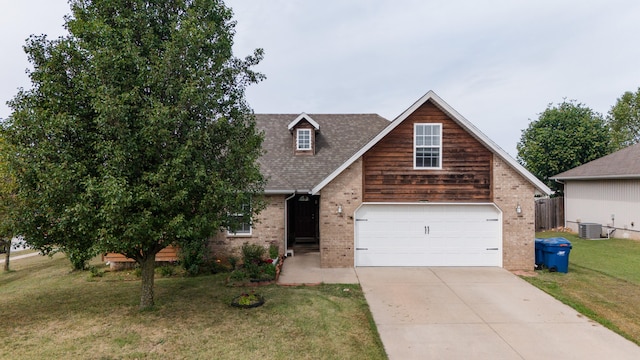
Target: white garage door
column 428, row 235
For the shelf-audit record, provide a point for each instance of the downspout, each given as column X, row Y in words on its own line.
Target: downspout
column 286, row 222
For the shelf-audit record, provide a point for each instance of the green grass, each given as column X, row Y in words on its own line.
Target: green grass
column 50, row 312
column 603, row 282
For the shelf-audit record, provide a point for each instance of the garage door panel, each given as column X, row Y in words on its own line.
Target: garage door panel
column 386, row 256
column 428, row 235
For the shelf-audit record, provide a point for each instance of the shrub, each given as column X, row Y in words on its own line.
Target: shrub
column 255, row 267
column 167, row 270
column 192, row 256
column 95, row 272
column 273, row 251
column 233, row 261
column 270, row 271
column 239, row 276
column 79, row 257
column 252, row 253
column 218, row 266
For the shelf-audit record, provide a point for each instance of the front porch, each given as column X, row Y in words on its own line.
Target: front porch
column 304, row 269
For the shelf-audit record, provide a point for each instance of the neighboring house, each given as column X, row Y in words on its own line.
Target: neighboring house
column 605, row 191
column 427, row 189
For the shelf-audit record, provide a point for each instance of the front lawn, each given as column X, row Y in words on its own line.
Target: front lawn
column 48, row 312
column 603, row 282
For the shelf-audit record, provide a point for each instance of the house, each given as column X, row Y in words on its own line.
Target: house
column 605, row 191
column 426, row 189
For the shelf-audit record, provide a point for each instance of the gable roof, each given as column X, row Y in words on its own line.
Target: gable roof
column 460, row 120
column 622, row 164
column 301, row 117
column 342, row 135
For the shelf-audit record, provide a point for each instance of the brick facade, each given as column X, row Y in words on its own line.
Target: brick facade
column 269, row 228
column 337, row 231
column 510, row 189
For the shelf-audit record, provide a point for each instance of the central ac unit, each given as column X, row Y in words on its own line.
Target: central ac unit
column 590, row 230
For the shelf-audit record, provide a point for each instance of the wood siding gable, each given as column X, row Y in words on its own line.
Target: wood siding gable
column 473, row 178
column 466, row 174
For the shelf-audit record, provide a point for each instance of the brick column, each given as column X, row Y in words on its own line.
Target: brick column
column 510, row 189
column 337, row 230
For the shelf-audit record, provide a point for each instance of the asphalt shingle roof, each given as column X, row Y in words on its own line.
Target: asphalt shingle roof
column 340, row 136
column 621, row 164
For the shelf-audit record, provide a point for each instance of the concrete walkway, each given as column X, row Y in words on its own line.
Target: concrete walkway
column 304, row 269
column 466, row 313
column 17, row 257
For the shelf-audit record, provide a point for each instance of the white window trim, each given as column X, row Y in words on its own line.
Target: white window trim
column 415, row 147
column 308, row 131
column 250, row 233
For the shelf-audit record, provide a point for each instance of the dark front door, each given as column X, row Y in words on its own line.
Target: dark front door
column 305, row 219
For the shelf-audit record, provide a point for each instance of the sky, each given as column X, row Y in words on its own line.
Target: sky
column 499, row 63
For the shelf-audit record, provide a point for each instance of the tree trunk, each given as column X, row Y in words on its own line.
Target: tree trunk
column 7, row 247
column 147, row 266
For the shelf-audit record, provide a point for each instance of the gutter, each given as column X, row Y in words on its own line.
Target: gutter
column 286, row 191
column 597, row 177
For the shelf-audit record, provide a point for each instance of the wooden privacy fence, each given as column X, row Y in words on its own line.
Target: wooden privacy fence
column 549, row 213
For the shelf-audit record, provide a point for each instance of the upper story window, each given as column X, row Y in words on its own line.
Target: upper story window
column 427, row 146
column 304, row 139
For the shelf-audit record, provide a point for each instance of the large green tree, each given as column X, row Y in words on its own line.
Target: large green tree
column 8, row 201
column 624, row 120
column 53, row 130
column 563, row 137
column 136, row 133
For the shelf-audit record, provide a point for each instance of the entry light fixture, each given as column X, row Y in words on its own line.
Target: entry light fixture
column 340, row 210
column 518, row 209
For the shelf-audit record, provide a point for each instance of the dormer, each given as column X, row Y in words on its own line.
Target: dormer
column 303, row 130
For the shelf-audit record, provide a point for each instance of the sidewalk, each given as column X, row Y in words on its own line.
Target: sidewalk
column 304, row 269
column 11, row 258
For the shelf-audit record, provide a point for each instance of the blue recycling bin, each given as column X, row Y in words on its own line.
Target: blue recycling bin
column 556, row 254
column 539, row 253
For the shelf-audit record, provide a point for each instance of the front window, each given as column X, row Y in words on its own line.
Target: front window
column 241, row 226
column 427, row 146
column 304, row 139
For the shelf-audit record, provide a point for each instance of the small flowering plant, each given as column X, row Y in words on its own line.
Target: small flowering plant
column 255, row 267
column 248, row 300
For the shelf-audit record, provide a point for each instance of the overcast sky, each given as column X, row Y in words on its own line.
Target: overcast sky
column 497, row 62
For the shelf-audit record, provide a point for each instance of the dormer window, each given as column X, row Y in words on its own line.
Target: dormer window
column 304, row 130
column 304, row 139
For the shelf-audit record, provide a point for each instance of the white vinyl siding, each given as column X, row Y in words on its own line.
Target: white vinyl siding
column 595, row 201
column 427, row 150
column 303, row 139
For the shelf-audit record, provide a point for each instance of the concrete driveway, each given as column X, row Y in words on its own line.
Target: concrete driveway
column 479, row 313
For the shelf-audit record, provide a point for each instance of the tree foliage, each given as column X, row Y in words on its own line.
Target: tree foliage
column 624, row 120
column 8, row 200
column 563, row 137
column 136, row 133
